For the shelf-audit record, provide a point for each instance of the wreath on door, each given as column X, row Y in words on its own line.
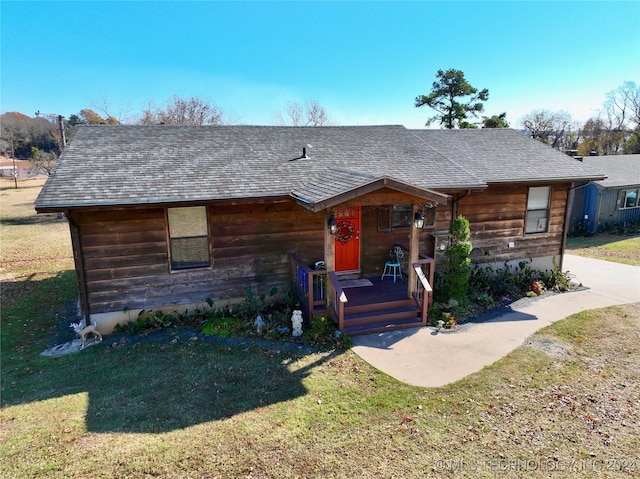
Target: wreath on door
column 345, row 232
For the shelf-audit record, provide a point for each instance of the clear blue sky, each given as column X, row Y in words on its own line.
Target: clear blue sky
column 365, row 62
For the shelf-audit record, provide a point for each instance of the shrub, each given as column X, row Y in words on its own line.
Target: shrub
column 458, row 270
column 323, row 332
column 556, row 280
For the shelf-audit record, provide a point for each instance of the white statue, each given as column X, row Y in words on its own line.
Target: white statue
column 83, row 332
column 296, row 321
column 259, row 323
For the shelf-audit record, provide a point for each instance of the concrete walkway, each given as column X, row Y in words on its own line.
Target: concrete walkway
column 423, row 357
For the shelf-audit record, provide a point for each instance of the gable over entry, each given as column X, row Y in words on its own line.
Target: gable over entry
column 340, row 185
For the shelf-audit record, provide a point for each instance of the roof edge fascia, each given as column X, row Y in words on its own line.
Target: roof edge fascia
column 163, row 203
column 546, row 180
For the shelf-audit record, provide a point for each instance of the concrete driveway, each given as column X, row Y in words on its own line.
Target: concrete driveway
column 422, row 357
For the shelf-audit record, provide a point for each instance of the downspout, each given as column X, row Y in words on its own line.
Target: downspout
column 78, row 260
column 454, row 208
column 567, row 214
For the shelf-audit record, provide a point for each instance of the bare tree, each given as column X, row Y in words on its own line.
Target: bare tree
column 310, row 114
column 598, row 137
column 551, row 127
column 182, row 111
column 103, row 106
column 43, row 161
column 616, row 129
column 622, row 109
column 622, row 106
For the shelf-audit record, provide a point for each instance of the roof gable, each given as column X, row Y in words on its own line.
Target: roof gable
column 338, row 185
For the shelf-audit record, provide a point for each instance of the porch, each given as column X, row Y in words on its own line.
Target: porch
column 366, row 304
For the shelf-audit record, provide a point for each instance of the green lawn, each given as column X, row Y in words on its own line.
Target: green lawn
column 621, row 249
column 565, row 404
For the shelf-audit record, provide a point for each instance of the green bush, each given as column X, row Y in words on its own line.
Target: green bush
column 556, row 280
column 323, row 333
column 458, row 269
column 221, row 326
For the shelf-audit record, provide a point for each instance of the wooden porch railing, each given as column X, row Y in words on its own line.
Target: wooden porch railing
column 339, row 300
column 423, row 294
column 309, row 285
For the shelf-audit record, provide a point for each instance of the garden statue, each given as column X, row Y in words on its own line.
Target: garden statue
column 260, row 324
column 83, row 332
column 296, row 321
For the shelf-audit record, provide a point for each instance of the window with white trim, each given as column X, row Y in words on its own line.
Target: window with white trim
column 628, row 199
column 188, row 237
column 538, row 207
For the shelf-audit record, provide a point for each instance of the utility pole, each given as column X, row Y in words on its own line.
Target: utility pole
column 15, row 171
column 61, row 127
column 60, row 121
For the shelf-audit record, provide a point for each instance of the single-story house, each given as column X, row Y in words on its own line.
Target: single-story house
column 614, row 201
column 163, row 217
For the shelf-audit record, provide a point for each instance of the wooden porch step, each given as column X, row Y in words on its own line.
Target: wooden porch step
column 381, row 317
column 372, row 307
column 382, row 327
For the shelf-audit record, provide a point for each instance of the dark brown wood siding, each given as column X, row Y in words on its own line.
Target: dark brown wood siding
column 251, row 245
column 497, row 217
column 126, row 258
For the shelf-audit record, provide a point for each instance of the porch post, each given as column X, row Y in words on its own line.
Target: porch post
column 414, row 250
column 329, row 259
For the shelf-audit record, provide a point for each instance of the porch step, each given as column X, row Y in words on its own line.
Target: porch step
column 381, row 317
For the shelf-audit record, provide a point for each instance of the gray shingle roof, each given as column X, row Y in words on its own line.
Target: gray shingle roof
column 499, row 155
column 122, row 165
column 621, row 170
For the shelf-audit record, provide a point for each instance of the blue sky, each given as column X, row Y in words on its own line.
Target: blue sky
column 365, row 62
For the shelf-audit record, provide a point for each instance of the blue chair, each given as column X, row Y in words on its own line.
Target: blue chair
column 392, row 268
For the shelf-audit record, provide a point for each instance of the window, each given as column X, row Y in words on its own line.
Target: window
column 401, row 216
column 188, row 238
column 538, row 209
column 395, row 217
column 628, row 199
column 429, row 214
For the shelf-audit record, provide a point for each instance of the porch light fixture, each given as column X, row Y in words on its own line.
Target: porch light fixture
column 418, row 220
column 333, row 227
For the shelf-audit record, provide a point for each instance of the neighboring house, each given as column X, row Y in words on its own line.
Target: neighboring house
column 612, row 202
column 165, row 217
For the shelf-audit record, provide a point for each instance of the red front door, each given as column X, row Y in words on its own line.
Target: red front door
column 347, row 248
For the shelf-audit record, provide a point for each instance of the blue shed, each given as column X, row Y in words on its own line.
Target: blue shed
column 614, row 201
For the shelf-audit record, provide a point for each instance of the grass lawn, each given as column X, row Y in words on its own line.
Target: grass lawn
column 565, row 404
column 621, row 249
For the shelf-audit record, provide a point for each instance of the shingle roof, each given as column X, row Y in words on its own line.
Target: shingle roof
column 123, row 165
column 499, row 155
column 621, row 170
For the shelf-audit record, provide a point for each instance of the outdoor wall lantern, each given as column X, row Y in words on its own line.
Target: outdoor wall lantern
column 418, row 220
column 333, row 227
